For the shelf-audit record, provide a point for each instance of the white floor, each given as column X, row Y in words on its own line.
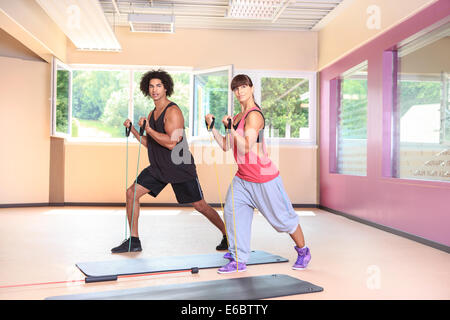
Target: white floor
column 349, row 260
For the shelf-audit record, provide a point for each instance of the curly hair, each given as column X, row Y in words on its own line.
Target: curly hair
column 162, row 75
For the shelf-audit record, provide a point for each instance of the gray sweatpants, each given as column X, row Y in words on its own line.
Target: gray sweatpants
column 269, row 198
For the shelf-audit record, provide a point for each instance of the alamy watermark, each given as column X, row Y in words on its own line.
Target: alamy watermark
column 374, row 18
column 211, row 154
column 373, row 282
column 73, row 17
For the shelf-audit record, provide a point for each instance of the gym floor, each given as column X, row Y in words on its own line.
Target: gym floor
column 350, row 260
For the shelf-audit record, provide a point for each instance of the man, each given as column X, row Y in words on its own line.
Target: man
column 166, row 142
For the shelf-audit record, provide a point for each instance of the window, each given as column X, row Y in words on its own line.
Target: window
column 285, row 104
column 288, row 103
column 97, row 101
column 141, row 104
column 351, row 121
column 61, row 100
column 211, row 95
column 421, row 114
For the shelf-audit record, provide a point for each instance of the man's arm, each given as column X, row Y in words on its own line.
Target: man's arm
column 174, row 126
column 135, row 133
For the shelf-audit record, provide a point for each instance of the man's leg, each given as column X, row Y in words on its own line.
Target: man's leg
column 134, row 218
column 135, row 245
column 211, row 214
column 191, row 192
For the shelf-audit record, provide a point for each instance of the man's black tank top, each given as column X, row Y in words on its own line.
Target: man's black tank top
column 165, row 166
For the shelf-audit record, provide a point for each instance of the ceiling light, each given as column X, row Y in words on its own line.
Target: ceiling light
column 255, row 9
column 151, row 23
column 83, row 22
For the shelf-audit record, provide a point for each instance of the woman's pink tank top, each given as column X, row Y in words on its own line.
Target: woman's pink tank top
column 251, row 167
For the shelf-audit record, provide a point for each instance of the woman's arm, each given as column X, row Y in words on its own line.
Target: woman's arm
column 253, row 124
column 221, row 140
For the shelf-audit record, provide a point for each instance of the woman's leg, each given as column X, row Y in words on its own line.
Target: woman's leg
column 238, row 221
column 273, row 202
column 298, row 237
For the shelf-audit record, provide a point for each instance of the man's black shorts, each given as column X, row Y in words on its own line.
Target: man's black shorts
column 186, row 192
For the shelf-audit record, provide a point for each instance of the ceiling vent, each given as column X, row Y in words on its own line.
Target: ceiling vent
column 151, row 23
column 256, row 9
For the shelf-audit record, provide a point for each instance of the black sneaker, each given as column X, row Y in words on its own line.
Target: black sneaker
column 223, row 245
column 125, row 245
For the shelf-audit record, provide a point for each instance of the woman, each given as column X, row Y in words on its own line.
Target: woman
column 257, row 183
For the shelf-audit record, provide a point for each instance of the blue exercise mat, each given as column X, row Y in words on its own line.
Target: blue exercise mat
column 162, row 264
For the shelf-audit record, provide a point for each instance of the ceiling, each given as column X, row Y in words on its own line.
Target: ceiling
column 90, row 24
column 295, row 15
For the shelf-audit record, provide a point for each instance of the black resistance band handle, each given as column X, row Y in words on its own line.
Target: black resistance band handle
column 212, row 124
column 194, row 270
column 141, row 131
column 100, row 278
column 228, row 126
column 128, row 130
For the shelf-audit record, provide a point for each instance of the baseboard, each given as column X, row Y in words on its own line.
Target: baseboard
column 306, row 205
column 400, row 233
column 121, row 204
column 22, row 205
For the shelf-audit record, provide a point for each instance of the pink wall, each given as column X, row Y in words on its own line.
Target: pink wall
column 421, row 208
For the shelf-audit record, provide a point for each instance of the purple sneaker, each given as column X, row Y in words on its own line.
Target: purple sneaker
column 228, row 256
column 304, row 256
column 232, row 266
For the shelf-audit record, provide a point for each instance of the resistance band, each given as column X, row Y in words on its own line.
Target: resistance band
column 209, row 128
column 141, row 132
column 193, row 270
column 227, row 132
column 127, row 133
column 229, row 137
